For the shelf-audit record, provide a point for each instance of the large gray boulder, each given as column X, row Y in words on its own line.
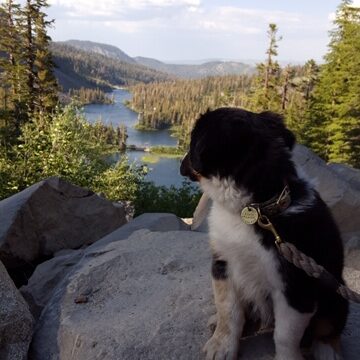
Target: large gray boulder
column 16, row 322
column 53, row 215
column 145, row 297
column 49, row 274
column 140, row 294
column 339, row 186
column 39, row 289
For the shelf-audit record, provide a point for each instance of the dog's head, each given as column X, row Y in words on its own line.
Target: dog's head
column 245, row 148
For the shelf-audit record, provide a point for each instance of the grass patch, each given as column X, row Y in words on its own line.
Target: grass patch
column 150, row 159
column 171, row 152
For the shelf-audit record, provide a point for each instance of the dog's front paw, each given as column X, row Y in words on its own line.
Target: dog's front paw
column 220, row 348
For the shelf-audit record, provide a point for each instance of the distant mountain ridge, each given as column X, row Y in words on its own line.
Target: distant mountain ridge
column 188, row 71
column 110, row 51
column 210, row 68
column 76, row 68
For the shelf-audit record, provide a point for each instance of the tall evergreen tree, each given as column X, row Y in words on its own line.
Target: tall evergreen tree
column 45, row 81
column 266, row 95
column 41, row 87
column 335, row 107
column 11, row 65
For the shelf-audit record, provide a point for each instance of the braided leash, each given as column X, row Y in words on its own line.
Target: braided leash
column 296, row 257
column 308, row 264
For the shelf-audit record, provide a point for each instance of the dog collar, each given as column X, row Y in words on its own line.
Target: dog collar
column 276, row 205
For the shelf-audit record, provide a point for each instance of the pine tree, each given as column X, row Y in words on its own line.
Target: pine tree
column 45, row 82
column 11, row 65
column 296, row 103
column 335, row 107
column 27, row 26
column 266, row 95
column 41, row 87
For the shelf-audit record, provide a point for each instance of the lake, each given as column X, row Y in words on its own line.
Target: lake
column 165, row 171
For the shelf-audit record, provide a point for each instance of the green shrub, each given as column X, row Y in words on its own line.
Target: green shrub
column 67, row 146
column 180, row 201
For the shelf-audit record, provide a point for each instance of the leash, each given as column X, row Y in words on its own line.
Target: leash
column 254, row 213
column 306, row 263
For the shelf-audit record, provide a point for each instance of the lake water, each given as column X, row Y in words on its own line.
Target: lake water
column 165, row 171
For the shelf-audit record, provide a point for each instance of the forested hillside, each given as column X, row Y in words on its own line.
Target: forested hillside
column 177, row 104
column 77, row 68
column 320, row 103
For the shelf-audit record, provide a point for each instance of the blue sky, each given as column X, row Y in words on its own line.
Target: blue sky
column 198, row 29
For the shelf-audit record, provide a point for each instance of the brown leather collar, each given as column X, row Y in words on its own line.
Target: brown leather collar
column 275, row 205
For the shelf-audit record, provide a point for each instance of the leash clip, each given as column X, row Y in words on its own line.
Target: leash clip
column 265, row 223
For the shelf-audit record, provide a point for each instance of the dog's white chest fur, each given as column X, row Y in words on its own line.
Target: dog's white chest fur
column 252, row 269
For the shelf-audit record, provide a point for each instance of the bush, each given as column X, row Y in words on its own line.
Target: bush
column 180, row 201
column 67, row 146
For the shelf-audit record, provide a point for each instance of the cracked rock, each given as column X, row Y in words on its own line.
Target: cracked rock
column 50, row 216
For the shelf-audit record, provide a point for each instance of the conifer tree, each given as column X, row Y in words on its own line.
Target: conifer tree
column 11, row 65
column 41, row 87
column 335, row 107
column 27, row 26
column 266, row 95
column 45, row 82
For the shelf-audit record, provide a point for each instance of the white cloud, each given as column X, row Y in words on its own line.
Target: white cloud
column 240, row 20
column 83, row 8
column 332, row 16
column 133, row 26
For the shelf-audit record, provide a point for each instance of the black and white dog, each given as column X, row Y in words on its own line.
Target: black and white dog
column 242, row 158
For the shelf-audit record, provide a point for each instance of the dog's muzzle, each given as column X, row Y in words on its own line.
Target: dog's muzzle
column 187, row 170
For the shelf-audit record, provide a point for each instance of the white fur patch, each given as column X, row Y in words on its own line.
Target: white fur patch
column 290, row 326
column 226, row 193
column 251, row 267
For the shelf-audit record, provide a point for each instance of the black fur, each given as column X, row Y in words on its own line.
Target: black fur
column 219, row 269
column 255, row 151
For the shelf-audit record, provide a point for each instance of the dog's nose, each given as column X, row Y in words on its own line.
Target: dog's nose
column 187, row 170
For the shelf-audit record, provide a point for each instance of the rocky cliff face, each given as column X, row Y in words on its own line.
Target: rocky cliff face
column 141, row 290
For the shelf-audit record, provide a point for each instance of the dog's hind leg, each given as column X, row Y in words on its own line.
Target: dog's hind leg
column 230, row 321
column 290, row 326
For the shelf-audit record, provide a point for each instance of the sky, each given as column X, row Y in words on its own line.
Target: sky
column 176, row 30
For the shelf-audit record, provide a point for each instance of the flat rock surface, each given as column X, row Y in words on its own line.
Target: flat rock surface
column 49, row 274
column 145, row 297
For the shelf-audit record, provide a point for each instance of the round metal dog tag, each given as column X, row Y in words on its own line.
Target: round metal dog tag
column 249, row 215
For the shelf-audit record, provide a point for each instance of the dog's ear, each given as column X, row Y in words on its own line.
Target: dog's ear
column 276, row 122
